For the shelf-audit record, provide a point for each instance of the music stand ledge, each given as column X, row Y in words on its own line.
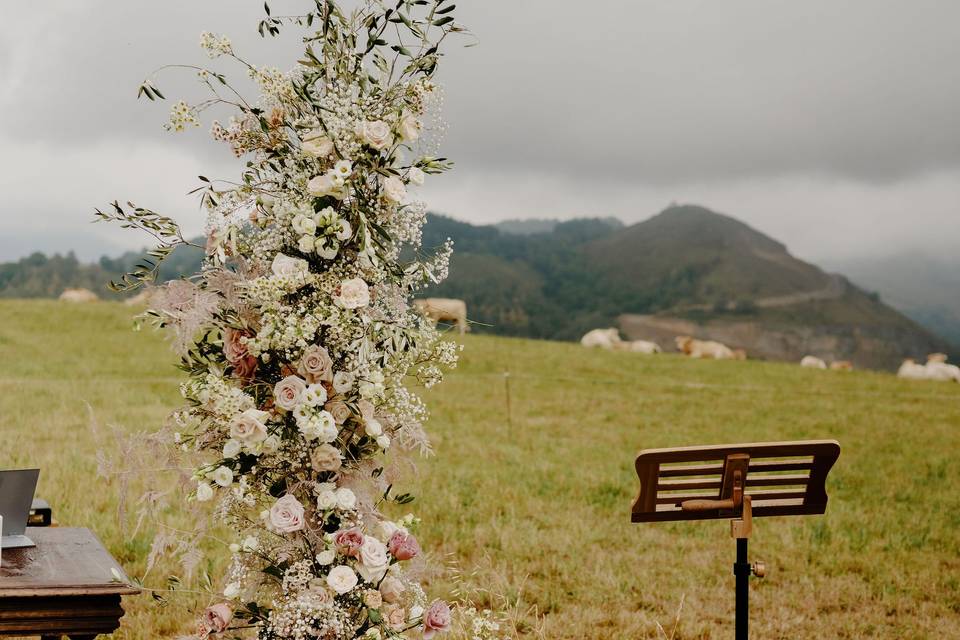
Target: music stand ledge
column 736, row 481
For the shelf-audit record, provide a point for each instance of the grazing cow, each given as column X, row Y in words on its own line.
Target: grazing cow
column 704, row 348
column 603, row 338
column 642, row 346
column 739, row 354
column 911, row 370
column 841, row 365
column 78, row 295
column 813, row 362
column 938, row 369
column 444, row 310
column 142, row 299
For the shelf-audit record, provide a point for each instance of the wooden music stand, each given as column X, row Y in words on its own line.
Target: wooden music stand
column 736, row 481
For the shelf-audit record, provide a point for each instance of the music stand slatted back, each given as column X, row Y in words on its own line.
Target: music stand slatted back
column 782, row 479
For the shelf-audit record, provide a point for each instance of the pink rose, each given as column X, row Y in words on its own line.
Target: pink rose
column 245, row 368
column 349, row 542
column 216, row 618
column 286, row 514
column 234, row 348
column 437, row 618
column 395, row 616
column 403, row 546
column 288, row 393
column 315, row 364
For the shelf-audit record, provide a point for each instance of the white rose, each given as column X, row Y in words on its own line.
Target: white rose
column 271, row 444
column 326, row 557
column 249, row 427
column 394, row 190
column 342, row 579
column 323, row 186
column 342, row 381
column 306, row 244
column 415, row 612
column 344, row 231
column 346, row 499
column 326, row 500
column 373, row 428
column 231, row 448
column 286, row 514
column 231, row 591
column 251, row 543
column 204, row 492
column 354, row 293
column 416, row 176
column 317, row 144
column 376, row 133
column 384, row 442
column 284, row 265
column 223, row 476
column 289, row 393
column 373, row 559
column 409, row 128
column 304, row 226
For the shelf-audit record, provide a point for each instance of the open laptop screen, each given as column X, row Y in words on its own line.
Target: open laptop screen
column 16, row 496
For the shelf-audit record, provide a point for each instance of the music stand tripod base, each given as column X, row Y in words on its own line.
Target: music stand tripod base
column 739, row 482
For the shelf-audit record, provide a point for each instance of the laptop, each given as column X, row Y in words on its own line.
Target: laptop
column 16, row 496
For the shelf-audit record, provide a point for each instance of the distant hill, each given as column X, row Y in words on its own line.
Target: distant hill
column 687, row 267
column 530, row 226
column 687, row 270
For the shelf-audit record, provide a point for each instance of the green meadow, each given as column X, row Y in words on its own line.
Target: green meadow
column 527, row 500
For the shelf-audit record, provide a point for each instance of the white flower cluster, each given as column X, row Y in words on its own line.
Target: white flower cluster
column 182, row 116
column 214, row 46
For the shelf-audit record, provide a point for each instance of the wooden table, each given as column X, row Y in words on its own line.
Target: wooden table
column 62, row 587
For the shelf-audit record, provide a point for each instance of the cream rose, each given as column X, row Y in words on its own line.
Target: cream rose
column 223, row 476
column 346, row 499
column 339, row 410
column 342, row 579
column 315, row 364
column 409, row 128
column 416, row 176
column 376, row 133
column 285, row 266
column 392, row 589
column 354, row 293
column 374, row 559
column 249, row 427
column 286, row 515
column 289, row 392
column 326, row 458
column 394, row 190
column 324, row 185
column 204, row 492
column 317, row 144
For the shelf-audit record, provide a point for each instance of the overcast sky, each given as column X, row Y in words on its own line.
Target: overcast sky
column 831, row 126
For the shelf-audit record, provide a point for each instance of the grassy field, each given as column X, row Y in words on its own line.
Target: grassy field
column 535, row 506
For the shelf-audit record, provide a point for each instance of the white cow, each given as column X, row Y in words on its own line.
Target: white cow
column 704, row 348
column 912, row 371
column 444, row 309
column 938, row 369
column 603, row 338
column 642, row 346
column 78, row 295
column 813, row 362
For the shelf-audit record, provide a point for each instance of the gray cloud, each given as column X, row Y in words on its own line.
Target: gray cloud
column 829, row 125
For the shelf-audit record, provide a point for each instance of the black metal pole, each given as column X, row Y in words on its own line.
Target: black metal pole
column 742, row 572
